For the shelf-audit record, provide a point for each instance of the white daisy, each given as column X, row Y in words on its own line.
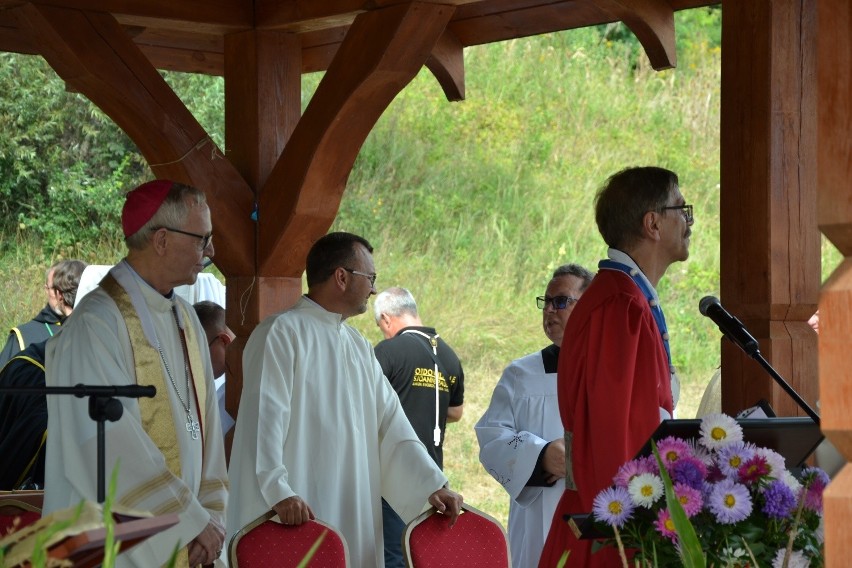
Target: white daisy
column 797, row 559
column 719, row 430
column 774, row 460
column 645, row 489
column 790, row 481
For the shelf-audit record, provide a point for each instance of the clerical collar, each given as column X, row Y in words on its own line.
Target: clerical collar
column 550, row 358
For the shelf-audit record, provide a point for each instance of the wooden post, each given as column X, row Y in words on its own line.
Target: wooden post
column 769, row 239
column 834, row 166
column 262, row 107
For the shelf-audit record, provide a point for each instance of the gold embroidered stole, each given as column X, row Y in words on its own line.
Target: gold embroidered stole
column 156, row 413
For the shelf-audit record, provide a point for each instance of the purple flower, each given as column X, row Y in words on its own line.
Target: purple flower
column 731, row 457
column 814, row 480
column 778, row 500
column 730, row 502
column 699, row 452
column 690, row 499
column 613, row 506
column 714, row 474
column 689, row 471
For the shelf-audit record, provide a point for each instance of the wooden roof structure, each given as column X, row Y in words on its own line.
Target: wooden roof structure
column 786, row 92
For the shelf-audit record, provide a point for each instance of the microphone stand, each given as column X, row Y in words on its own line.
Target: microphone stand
column 755, row 354
column 102, row 407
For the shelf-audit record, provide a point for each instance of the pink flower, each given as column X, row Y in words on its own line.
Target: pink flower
column 665, row 525
column 631, row 469
column 690, row 499
column 672, row 449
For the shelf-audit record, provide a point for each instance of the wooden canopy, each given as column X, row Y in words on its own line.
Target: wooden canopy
column 786, row 155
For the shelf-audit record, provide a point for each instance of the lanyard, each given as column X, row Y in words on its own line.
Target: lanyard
column 433, row 341
column 659, row 318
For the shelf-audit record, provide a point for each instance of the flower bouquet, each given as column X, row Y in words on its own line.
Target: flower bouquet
column 716, row 501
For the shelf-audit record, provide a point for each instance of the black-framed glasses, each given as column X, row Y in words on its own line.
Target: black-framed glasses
column 686, row 211
column 558, row 302
column 205, row 239
column 370, row 277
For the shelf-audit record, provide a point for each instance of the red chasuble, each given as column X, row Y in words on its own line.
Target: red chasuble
column 613, row 378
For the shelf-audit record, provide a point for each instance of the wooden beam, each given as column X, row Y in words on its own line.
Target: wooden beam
column 652, row 22
column 382, row 53
column 219, row 16
column 185, row 61
column 770, row 246
column 94, row 55
column 834, row 172
column 447, row 65
column 263, row 99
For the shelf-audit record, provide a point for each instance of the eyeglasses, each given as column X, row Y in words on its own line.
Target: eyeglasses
column 686, row 211
column 558, row 302
column 370, row 277
column 205, row 239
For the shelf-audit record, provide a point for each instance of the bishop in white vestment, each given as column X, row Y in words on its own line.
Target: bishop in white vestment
column 168, row 450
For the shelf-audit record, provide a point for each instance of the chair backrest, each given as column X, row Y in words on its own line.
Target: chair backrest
column 477, row 539
column 19, row 509
column 265, row 542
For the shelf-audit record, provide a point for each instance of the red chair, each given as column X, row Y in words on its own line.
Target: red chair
column 263, row 543
column 477, row 539
column 19, row 509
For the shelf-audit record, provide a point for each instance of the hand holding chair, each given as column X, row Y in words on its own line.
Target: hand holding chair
column 264, row 542
column 477, row 539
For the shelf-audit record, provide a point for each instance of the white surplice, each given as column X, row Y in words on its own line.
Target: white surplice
column 522, row 417
column 94, row 349
column 319, row 420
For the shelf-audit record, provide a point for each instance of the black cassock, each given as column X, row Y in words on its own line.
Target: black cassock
column 23, row 421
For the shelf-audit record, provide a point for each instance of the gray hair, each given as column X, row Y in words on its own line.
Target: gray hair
column 575, row 270
column 394, row 301
column 172, row 213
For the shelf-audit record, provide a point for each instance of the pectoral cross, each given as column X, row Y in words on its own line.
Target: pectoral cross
column 192, row 427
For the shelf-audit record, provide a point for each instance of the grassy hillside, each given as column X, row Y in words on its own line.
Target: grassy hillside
column 471, row 205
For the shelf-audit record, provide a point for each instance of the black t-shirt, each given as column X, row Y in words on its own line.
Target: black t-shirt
column 409, row 364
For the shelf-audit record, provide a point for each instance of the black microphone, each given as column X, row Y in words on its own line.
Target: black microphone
column 729, row 325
